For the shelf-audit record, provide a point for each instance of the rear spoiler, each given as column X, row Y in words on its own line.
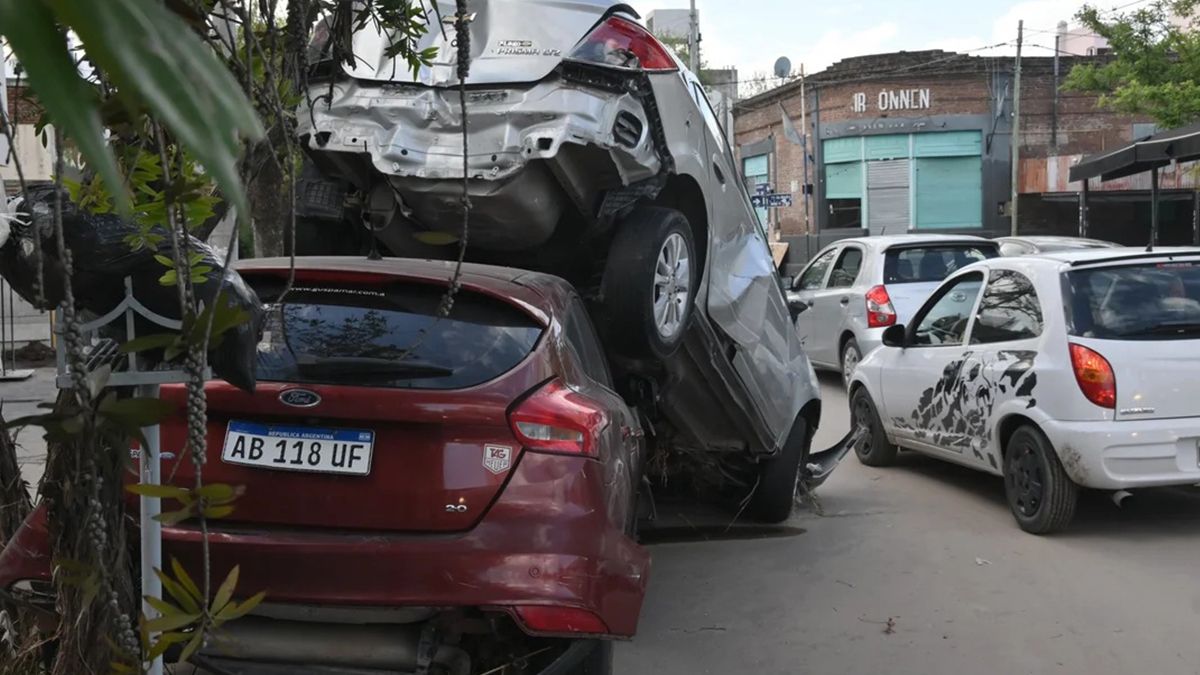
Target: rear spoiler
column 982, row 243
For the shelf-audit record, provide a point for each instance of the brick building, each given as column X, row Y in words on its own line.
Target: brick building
column 920, row 142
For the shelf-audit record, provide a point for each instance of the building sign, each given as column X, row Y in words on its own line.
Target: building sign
column 892, row 99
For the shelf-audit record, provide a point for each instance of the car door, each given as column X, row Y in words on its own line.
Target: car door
column 921, row 391
column 809, row 285
column 745, row 292
column 831, row 305
column 1000, row 360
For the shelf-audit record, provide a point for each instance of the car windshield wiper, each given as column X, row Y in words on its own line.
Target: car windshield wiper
column 366, row 366
column 1164, row 328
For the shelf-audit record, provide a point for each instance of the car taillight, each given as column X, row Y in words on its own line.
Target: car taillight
column 1095, row 376
column 880, row 311
column 560, row 620
column 622, row 43
column 559, row 420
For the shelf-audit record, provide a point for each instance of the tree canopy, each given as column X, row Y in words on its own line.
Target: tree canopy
column 1154, row 68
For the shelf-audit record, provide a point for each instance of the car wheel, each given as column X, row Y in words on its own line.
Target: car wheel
column 872, row 447
column 850, row 358
column 775, row 495
column 1040, row 493
column 600, row 661
column 650, row 281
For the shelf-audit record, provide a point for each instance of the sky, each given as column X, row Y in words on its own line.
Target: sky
column 752, row 34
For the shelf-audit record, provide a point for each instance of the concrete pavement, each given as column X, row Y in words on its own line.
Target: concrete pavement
column 920, row 569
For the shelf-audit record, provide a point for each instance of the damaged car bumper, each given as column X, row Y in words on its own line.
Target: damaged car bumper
column 527, row 146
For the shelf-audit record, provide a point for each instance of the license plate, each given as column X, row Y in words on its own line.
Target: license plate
column 286, row 448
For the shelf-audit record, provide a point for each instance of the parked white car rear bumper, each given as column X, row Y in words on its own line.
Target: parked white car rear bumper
column 1124, row 455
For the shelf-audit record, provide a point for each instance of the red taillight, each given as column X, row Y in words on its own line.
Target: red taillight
column 624, row 44
column 880, row 311
column 559, row 420
column 1095, row 376
column 560, row 620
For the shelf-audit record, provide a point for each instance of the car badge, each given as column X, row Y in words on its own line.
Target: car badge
column 300, row 398
column 497, row 458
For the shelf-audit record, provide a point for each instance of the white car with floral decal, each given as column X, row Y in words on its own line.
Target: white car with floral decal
column 1058, row 372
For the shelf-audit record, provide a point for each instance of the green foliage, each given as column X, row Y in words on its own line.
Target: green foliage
column 219, row 318
column 404, row 22
column 1155, row 69
column 186, row 620
column 191, row 189
column 214, row 501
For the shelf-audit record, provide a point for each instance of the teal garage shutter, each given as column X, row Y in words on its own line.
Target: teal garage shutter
column 949, row 192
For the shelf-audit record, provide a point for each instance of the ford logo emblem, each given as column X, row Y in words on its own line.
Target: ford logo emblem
column 300, row 398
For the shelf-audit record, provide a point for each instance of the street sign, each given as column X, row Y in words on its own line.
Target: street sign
column 771, row 201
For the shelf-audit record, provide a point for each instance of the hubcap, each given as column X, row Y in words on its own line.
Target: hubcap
column 672, row 286
column 863, row 423
column 849, row 364
column 1026, row 481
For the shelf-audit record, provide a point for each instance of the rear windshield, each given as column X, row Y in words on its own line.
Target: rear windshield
column 921, row 264
column 389, row 336
column 1151, row 301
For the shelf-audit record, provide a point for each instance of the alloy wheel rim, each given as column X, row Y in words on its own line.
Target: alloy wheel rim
column 672, row 286
column 850, row 361
column 862, row 421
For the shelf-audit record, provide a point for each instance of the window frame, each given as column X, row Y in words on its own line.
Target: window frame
column 862, row 261
column 832, row 252
column 993, row 276
column 941, row 292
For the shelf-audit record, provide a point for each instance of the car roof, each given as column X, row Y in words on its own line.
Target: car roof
column 889, row 240
column 1051, row 239
column 1100, row 255
column 541, row 294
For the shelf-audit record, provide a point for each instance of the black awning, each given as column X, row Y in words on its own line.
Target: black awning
column 1152, row 152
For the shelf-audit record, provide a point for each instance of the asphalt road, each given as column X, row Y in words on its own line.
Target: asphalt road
column 920, row 569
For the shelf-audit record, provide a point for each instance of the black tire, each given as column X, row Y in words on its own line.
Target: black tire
column 630, row 290
column 1040, row 494
column 600, row 661
column 850, row 351
column 775, row 496
column 873, row 448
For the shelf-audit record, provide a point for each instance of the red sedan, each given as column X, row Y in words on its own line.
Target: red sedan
column 419, row 491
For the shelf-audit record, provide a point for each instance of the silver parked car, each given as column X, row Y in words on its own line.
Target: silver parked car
column 1014, row 246
column 594, row 155
column 856, row 288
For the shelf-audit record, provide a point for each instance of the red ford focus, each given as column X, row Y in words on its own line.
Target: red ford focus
column 420, row 493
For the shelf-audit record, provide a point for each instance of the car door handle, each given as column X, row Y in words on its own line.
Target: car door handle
column 718, row 173
column 845, row 301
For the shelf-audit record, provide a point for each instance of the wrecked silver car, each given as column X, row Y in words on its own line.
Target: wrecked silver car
column 594, row 155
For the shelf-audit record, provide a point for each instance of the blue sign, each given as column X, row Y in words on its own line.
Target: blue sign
column 771, row 201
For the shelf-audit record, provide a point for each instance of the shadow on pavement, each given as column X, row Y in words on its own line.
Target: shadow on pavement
column 1156, row 512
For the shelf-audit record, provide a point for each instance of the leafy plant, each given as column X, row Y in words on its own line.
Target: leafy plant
column 1155, row 64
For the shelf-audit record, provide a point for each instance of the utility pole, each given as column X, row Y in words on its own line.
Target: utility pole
column 1058, row 39
column 804, row 147
column 694, row 41
column 1016, row 130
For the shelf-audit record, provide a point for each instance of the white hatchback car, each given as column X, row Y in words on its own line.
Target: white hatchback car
column 1068, row 370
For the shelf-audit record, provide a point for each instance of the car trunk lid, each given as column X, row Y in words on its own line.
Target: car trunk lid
column 506, row 46
column 361, row 445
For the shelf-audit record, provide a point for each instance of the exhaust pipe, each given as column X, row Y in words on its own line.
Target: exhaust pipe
column 379, row 646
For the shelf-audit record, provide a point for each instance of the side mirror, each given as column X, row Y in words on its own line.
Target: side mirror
column 895, row 336
column 795, row 305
